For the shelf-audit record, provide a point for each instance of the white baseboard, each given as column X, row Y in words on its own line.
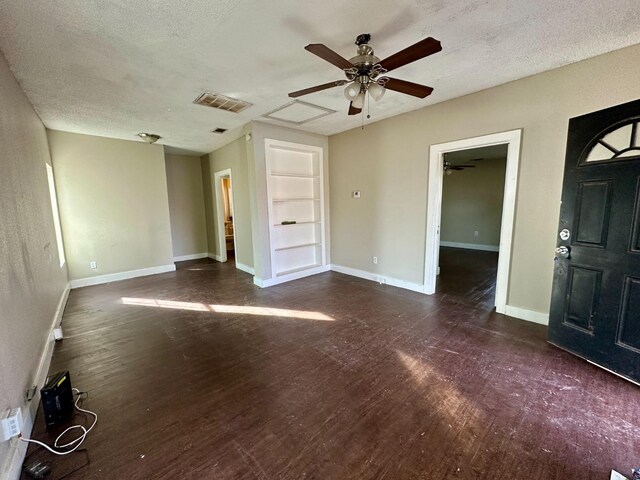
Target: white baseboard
column 245, row 268
column 114, row 277
column 217, row 258
column 374, row 277
column 18, row 449
column 528, row 315
column 471, row 246
column 516, row 312
column 263, row 283
column 193, row 256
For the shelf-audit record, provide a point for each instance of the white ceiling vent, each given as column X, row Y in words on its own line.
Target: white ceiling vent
column 221, row 102
column 298, row 112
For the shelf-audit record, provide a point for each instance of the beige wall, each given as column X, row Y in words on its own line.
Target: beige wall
column 113, row 203
column 387, row 161
column 472, row 201
column 31, row 279
column 257, row 177
column 233, row 156
column 186, row 205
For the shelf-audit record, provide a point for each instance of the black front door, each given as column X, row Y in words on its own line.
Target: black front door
column 595, row 305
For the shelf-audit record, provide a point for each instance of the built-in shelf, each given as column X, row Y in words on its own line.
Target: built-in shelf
column 295, row 192
column 294, row 224
column 297, row 246
column 293, row 175
column 302, row 199
column 299, row 269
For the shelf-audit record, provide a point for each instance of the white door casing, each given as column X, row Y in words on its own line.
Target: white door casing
column 434, row 207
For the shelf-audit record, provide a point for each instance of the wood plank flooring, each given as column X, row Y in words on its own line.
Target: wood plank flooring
column 196, row 374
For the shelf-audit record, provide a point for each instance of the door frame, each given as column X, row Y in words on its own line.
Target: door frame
column 512, row 139
column 222, row 242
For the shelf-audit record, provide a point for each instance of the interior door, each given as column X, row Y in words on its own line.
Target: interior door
column 595, row 305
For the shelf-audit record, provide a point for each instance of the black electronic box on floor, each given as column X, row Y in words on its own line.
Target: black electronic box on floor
column 57, row 398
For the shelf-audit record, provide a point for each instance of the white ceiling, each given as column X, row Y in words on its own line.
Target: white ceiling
column 116, row 68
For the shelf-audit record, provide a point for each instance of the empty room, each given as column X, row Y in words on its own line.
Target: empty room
column 286, row 240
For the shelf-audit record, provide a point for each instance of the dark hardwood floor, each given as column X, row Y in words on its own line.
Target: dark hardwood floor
column 198, row 374
column 468, row 276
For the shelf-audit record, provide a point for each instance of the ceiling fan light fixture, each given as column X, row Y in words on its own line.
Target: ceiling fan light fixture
column 358, row 102
column 149, row 137
column 376, row 91
column 365, row 69
column 352, row 91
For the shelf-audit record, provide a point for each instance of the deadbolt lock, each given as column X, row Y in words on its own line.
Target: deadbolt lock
column 565, row 234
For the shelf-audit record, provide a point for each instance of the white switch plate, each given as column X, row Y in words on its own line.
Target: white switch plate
column 355, row 194
column 375, row 260
column 475, row 234
column 93, row 265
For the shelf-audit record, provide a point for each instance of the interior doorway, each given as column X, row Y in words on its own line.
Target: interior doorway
column 225, row 218
column 470, row 222
column 453, row 153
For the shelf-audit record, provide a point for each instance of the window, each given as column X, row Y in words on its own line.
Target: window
column 55, row 214
column 621, row 142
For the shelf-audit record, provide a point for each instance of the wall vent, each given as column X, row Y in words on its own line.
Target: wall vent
column 221, row 102
column 219, row 130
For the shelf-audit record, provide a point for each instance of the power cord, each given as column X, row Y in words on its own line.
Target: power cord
column 73, row 443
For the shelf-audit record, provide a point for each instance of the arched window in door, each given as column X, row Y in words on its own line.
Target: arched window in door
column 619, row 142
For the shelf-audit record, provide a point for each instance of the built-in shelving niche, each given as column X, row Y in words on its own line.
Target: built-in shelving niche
column 295, row 194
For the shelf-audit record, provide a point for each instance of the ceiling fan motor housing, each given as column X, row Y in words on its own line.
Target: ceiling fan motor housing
column 364, row 63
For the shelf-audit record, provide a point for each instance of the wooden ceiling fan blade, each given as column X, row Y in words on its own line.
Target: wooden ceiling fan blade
column 317, row 88
column 409, row 88
column 329, row 55
column 423, row 48
column 353, row 110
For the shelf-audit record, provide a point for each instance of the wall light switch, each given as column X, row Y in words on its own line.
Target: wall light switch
column 355, row 194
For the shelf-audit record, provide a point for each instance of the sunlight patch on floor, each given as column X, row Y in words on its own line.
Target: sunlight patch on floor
column 452, row 405
column 239, row 309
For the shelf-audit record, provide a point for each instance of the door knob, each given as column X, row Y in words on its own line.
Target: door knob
column 563, row 251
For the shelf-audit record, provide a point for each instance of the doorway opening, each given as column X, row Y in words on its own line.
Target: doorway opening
column 486, row 253
column 225, row 219
column 471, row 213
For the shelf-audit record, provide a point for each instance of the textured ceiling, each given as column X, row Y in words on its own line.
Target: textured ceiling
column 116, row 68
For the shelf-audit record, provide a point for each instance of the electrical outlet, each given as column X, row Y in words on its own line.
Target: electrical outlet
column 93, row 265
column 475, row 234
column 375, row 260
column 11, row 424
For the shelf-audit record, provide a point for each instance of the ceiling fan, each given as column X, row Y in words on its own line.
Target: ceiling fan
column 449, row 167
column 366, row 73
